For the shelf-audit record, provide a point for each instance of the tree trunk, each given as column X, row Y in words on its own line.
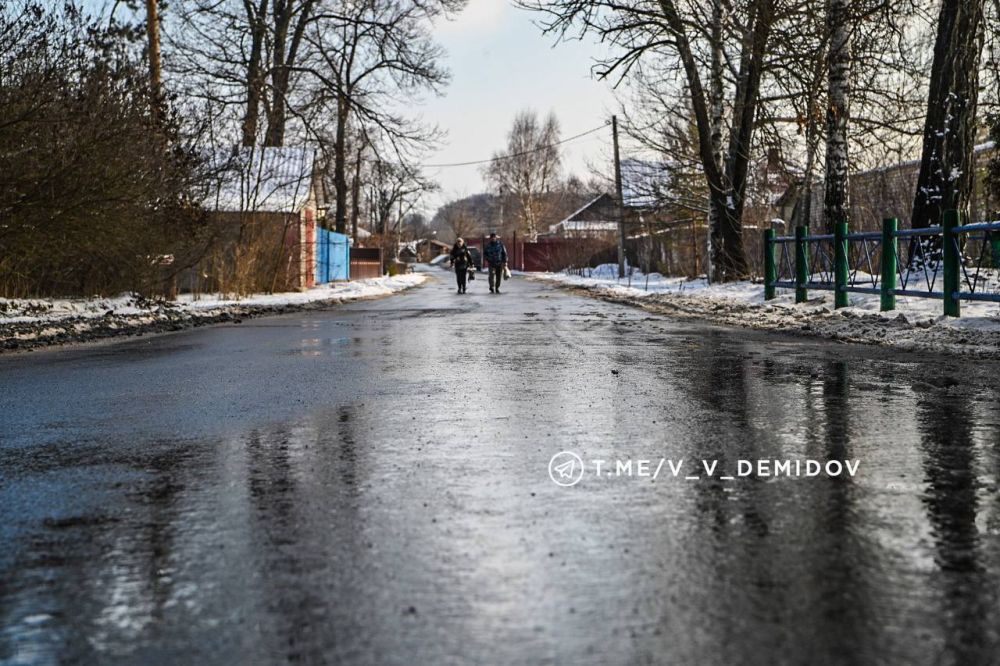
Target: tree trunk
column 285, row 52
column 532, row 231
column 277, row 114
column 340, row 165
column 948, row 161
column 727, row 187
column 740, row 139
column 836, row 201
column 802, row 215
column 153, row 47
column 255, row 76
column 717, row 104
column 356, row 195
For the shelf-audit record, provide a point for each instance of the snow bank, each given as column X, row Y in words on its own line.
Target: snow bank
column 26, row 323
column 336, row 292
column 917, row 323
column 34, row 310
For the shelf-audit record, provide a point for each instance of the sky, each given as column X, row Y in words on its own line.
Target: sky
column 501, row 63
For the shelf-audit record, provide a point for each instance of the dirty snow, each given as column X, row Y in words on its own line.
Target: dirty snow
column 917, row 323
column 26, row 323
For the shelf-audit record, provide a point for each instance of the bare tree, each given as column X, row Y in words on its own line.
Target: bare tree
column 328, row 71
column 459, row 218
column 78, row 214
column 689, row 38
column 528, row 168
column 244, row 55
column 376, row 53
column 393, row 190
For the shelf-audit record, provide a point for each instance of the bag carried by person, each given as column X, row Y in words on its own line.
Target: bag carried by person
column 472, row 274
column 506, row 273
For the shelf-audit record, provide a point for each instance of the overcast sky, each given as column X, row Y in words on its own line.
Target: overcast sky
column 501, row 63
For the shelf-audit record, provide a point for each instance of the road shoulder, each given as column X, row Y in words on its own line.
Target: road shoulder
column 815, row 319
column 35, row 323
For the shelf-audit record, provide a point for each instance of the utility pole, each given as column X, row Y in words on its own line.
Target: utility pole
column 153, row 35
column 618, row 199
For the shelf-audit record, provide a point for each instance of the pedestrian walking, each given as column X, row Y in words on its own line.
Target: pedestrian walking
column 496, row 256
column 461, row 260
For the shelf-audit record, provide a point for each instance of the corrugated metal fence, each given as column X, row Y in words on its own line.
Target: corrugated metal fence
column 332, row 256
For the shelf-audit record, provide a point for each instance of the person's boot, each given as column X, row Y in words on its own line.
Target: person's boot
column 491, row 290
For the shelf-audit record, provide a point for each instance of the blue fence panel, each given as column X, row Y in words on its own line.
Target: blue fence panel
column 333, row 256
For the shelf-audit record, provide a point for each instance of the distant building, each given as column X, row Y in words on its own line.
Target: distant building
column 267, row 201
column 875, row 194
column 428, row 248
column 598, row 218
column 422, row 250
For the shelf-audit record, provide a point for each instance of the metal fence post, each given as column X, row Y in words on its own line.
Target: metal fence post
column 840, row 266
column 993, row 240
column 889, row 260
column 801, row 264
column 770, row 268
column 952, row 306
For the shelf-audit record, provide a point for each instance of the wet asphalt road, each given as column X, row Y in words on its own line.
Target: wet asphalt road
column 370, row 485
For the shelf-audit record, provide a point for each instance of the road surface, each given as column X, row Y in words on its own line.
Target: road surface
column 370, row 485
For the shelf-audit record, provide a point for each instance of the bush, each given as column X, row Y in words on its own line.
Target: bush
column 93, row 182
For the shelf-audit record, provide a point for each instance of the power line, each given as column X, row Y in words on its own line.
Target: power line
column 507, row 157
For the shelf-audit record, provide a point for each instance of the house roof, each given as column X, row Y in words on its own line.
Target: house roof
column 434, row 242
column 592, row 216
column 258, row 179
column 579, row 211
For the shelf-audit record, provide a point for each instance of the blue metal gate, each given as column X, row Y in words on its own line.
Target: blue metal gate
column 333, row 256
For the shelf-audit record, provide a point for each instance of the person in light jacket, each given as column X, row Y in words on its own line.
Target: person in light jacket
column 461, row 259
column 496, row 256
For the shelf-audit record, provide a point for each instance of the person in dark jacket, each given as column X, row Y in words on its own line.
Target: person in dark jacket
column 461, row 259
column 496, row 256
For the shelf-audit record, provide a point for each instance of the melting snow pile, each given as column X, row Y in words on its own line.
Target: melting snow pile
column 26, row 323
column 917, row 323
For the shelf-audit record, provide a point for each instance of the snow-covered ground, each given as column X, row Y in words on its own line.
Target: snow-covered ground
column 26, row 323
column 917, row 323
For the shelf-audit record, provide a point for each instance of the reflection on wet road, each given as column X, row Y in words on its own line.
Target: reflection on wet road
column 370, row 485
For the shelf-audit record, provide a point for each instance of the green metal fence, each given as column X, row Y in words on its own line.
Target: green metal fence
column 952, row 262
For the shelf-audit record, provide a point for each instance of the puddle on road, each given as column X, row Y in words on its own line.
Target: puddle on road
column 321, row 346
column 411, row 517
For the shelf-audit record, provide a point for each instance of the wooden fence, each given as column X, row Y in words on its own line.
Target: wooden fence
column 366, row 262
